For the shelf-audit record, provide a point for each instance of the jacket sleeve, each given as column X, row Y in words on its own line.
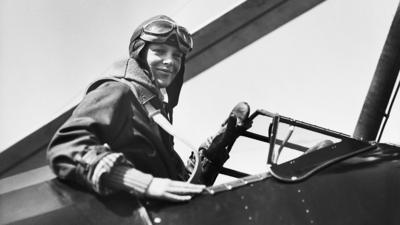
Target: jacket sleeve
column 79, row 151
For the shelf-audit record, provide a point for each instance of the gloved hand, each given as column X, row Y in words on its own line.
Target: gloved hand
column 217, row 148
column 172, row 190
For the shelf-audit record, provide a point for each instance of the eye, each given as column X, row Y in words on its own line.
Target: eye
column 159, row 51
column 177, row 54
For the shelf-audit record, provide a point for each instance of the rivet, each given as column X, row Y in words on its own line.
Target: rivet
column 157, row 220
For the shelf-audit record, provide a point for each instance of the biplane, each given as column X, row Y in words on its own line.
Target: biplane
column 346, row 181
column 333, row 179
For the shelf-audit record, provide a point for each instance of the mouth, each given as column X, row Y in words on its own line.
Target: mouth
column 165, row 71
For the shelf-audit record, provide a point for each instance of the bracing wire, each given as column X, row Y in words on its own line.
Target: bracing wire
column 387, row 114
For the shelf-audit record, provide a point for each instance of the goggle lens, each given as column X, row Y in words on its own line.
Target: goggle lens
column 159, row 27
column 185, row 37
column 164, row 28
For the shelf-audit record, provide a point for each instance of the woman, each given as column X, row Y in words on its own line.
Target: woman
column 111, row 143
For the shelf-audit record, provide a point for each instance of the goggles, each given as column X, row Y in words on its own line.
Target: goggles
column 159, row 31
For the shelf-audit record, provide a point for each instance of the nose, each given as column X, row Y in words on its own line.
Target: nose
column 168, row 61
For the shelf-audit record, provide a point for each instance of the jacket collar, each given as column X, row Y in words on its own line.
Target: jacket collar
column 131, row 71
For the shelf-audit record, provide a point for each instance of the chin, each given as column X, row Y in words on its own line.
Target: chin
column 163, row 84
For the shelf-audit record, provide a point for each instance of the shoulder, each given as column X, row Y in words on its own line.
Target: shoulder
column 108, row 97
column 110, row 87
column 108, row 93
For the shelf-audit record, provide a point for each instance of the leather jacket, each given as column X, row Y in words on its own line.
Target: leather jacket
column 110, row 119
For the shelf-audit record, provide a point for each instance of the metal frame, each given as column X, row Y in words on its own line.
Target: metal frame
column 273, row 154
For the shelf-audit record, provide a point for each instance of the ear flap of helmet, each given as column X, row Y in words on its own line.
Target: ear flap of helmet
column 175, row 87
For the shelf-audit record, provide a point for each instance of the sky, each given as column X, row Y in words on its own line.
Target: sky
column 316, row 68
column 51, row 50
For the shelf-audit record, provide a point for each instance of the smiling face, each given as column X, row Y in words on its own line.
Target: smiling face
column 164, row 62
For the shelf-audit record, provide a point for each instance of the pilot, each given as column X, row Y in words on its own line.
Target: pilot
column 110, row 143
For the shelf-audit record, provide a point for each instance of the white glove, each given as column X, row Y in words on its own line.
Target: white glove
column 162, row 188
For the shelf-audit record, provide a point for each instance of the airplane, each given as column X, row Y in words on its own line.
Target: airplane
column 345, row 180
column 348, row 181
